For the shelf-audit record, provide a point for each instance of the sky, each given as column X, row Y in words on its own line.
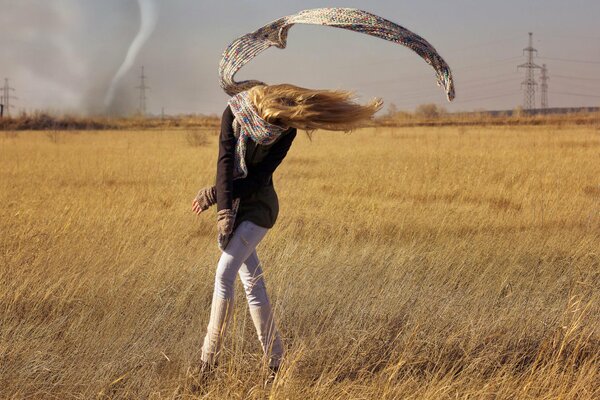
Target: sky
column 61, row 55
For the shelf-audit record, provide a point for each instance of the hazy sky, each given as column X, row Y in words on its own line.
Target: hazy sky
column 62, row 54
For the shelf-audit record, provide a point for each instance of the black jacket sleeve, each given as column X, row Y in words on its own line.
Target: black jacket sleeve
column 258, row 175
column 225, row 162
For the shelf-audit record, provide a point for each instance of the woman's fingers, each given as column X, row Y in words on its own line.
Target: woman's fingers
column 196, row 207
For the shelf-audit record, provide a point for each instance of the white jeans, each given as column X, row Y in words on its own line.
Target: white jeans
column 239, row 257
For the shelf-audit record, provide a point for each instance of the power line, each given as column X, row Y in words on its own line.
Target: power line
column 577, row 78
column 480, row 84
column 497, row 96
column 494, row 63
column 570, row 60
column 411, row 100
column 426, row 76
column 471, row 87
column 529, row 83
column 571, row 86
column 360, row 61
column 569, row 36
column 577, row 94
column 505, row 75
column 418, row 93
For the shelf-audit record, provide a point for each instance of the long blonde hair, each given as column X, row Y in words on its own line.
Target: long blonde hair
column 310, row 109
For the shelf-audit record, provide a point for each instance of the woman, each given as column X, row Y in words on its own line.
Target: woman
column 257, row 130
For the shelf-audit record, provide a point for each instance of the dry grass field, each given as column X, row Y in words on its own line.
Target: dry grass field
column 407, row 263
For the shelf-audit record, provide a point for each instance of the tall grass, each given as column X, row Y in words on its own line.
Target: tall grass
column 406, row 263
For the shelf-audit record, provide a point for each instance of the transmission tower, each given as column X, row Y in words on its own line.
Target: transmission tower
column 544, row 78
column 7, row 97
column 142, row 88
column 529, row 83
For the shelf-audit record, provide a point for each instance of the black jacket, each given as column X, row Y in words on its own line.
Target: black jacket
column 258, row 200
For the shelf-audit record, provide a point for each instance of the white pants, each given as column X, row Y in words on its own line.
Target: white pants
column 239, row 257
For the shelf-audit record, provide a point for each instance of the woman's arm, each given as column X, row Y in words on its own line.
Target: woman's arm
column 225, row 162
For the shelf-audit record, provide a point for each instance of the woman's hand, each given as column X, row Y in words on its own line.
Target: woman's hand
column 225, row 220
column 196, row 207
column 205, row 198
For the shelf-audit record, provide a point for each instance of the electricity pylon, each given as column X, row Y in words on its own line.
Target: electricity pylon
column 529, row 83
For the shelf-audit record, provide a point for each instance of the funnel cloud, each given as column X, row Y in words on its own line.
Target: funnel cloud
column 148, row 18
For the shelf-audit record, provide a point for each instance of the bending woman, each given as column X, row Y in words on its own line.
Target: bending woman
column 257, row 129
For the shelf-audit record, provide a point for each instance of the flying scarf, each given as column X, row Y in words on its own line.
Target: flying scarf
column 245, row 48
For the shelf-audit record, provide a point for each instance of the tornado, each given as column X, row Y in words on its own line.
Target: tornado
column 148, row 18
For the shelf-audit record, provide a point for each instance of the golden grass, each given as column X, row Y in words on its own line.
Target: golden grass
column 406, row 263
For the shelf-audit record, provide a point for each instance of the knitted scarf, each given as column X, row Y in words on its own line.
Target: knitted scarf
column 248, row 124
column 245, row 48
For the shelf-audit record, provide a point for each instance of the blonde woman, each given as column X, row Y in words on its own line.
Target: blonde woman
column 257, row 129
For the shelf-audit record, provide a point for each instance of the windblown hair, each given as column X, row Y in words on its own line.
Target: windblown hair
column 310, row 109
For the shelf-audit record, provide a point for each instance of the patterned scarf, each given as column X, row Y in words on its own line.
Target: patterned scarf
column 245, row 48
column 248, row 124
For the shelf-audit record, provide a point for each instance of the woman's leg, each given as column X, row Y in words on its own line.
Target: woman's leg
column 260, row 309
column 242, row 243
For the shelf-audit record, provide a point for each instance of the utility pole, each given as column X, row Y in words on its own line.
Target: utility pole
column 544, row 78
column 142, row 88
column 529, row 83
column 7, row 97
